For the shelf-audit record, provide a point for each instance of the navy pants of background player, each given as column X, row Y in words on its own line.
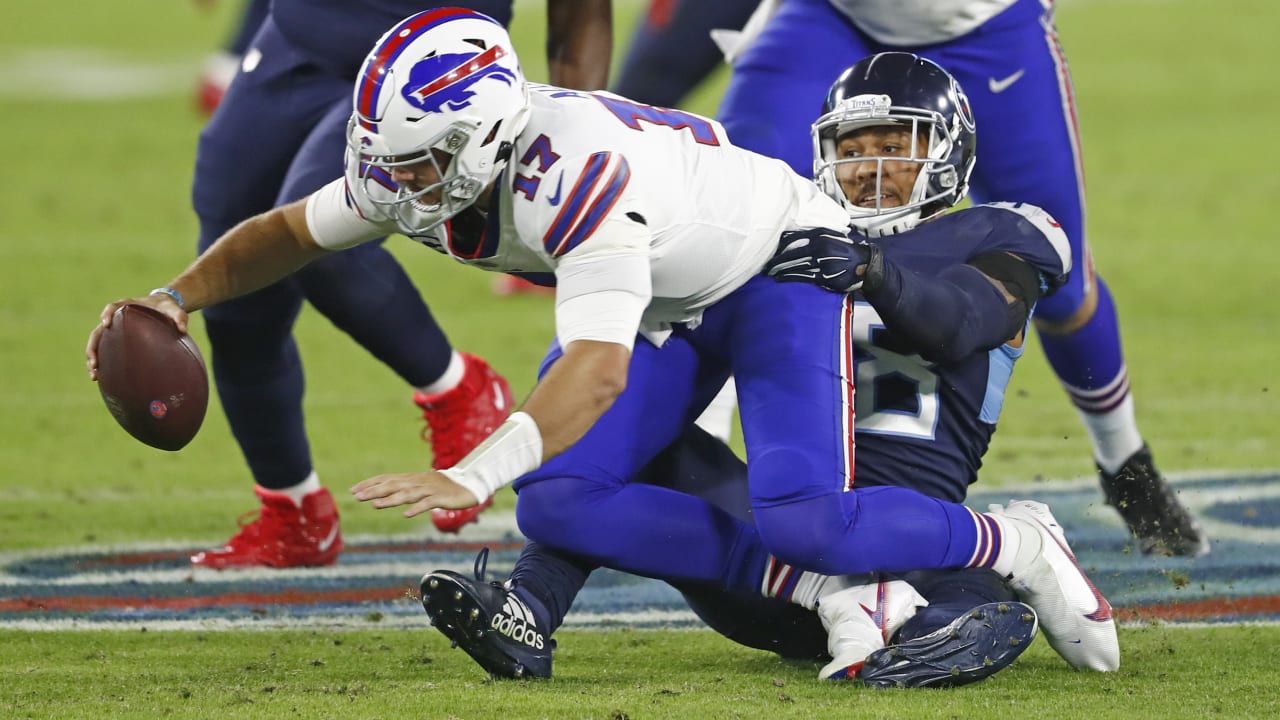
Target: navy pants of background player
column 278, row 135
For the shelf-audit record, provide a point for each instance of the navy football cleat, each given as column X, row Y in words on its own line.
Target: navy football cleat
column 970, row 648
column 489, row 622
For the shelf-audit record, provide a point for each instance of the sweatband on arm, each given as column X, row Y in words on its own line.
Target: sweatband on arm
column 514, row 449
column 602, row 299
column 945, row 317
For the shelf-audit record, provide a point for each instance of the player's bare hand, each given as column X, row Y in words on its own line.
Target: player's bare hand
column 421, row 491
column 162, row 303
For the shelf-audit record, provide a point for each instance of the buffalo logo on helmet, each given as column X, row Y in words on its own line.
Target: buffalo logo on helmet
column 445, row 81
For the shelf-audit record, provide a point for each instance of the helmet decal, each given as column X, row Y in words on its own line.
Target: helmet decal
column 442, row 81
column 374, row 71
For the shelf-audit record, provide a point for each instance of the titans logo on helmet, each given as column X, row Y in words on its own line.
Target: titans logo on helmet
column 445, row 81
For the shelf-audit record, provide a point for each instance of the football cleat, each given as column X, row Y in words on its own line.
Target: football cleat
column 219, row 70
column 1150, row 508
column 507, row 285
column 1076, row 619
column 460, row 419
column 970, row 648
column 489, row 622
column 282, row 535
column 860, row 619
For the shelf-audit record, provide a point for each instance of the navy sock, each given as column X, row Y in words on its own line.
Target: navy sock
column 548, row 581
column 258, row 374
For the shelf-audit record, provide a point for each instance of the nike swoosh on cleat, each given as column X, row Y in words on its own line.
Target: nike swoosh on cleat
column 499, row 401
column 999, row 86
column 325, row 544
column 554, row 200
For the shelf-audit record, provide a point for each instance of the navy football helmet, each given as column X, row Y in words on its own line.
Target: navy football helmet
column 897, row 88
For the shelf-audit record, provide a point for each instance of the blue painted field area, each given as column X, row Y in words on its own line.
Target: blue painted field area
column 376, row 579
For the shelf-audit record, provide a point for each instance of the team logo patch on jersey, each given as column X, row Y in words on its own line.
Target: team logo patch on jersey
column 444, row 82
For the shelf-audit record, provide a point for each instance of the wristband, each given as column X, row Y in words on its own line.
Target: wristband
column 514, row 449
column 177, row 297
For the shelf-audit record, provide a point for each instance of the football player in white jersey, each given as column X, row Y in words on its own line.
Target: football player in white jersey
column 656, row 229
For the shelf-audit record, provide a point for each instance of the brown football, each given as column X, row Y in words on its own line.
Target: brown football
column 152, row 378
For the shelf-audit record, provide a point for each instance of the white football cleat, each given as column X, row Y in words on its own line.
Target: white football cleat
column 1076, row 619
column 860, row 619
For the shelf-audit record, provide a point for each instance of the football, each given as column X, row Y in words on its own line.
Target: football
column 152, row 378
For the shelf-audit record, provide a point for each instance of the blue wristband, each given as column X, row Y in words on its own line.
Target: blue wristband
column 177, row 297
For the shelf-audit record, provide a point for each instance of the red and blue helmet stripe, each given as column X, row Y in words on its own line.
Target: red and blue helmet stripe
column 369, row 88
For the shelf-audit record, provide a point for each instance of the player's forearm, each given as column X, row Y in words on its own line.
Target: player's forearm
column 576, row 391
column 946, row 317
column 251, row 256
column 579, row 43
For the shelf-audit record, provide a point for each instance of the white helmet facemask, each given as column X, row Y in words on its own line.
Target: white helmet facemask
column 936, row 183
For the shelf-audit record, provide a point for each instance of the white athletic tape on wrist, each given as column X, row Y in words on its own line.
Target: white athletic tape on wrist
column 514, row 449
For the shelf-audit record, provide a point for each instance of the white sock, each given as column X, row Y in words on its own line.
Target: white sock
column 1114, row 435
column 302, row 489
column 1019, row 542
column 451, row 377
column 810, row 588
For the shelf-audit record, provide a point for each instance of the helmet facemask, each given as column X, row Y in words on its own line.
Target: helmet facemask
column 419, row 210
column 937, row 186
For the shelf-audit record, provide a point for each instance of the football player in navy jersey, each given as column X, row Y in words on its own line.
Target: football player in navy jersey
column 942, row 302
column 278, row 135
column 1008, row 56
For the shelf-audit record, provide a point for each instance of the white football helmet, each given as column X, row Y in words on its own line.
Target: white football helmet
column 445, row 80
column 897, row 88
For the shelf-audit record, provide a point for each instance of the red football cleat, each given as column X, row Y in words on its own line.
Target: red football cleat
column 458, row 420
column 283, row 535
column 506, row 285
column 215, row 77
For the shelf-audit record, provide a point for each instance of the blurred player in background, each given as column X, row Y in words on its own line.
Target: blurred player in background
column 671, row 50
column 1007, row 55
column 223, row 64
column 656, row 229
column 668, row 54
column 942, row 304
column 278, row 135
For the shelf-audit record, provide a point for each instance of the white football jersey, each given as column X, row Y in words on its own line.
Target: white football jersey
column 611, row 196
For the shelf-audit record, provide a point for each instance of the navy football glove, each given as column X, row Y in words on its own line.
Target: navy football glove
column 820, row 256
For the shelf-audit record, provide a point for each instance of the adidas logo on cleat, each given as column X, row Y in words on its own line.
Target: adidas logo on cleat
column 515, row 620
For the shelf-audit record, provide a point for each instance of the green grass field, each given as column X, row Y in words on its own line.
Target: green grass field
column 1176, row 104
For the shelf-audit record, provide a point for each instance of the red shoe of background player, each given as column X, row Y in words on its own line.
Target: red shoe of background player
column 216, row 75
column 458, row 420
column 283, row 535
column 507, row 285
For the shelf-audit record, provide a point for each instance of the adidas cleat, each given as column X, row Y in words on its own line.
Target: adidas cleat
column 970, row 648
column 1076, row 619
column 489, row 622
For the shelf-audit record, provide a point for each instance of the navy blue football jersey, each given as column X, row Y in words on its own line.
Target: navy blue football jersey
column 338, row 34
column 925, row 425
